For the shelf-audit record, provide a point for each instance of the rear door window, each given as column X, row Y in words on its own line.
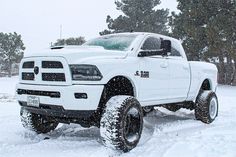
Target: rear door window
column 151, row 43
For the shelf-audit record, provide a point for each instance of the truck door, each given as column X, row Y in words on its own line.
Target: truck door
column 179, row 74
column 153, row 74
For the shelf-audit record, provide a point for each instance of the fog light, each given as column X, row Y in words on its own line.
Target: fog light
column 81, row 96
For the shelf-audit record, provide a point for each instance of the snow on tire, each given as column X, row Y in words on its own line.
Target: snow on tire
column 206, row 108
column 37, row 123
column 122, row 123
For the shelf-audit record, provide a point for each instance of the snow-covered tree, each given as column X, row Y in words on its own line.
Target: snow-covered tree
column 70, row 41
column 11, row 50
column 207, row 29
column 138, row 16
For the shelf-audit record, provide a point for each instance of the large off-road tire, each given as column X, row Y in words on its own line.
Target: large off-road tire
column 122, row 123
column 172, row 108
column 206, row 108
column 37, row 123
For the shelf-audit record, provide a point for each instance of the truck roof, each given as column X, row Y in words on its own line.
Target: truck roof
column 144, row 34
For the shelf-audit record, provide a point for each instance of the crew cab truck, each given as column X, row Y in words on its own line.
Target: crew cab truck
column 112, row 82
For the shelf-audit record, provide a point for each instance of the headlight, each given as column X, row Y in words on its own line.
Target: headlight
column 85, row 73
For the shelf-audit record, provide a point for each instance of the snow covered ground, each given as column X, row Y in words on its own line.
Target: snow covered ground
column 165, row 134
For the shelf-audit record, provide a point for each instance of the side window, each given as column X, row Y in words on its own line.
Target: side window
column 174, row 52
column 151, row 43
column 174, row 49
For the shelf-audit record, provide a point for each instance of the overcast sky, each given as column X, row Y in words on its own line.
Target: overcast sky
column 39, row 21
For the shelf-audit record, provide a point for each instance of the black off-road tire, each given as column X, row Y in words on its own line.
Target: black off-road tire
column 122, row 123
column 37, row 123
column 203, row 110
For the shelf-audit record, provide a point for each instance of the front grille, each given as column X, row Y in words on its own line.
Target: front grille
column 59, row 77
column 52, row 94
column 40, row 71
column 52, row 64
column 27, row 65
column 27, row 76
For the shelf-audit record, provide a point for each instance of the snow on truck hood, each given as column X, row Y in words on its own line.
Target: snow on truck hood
column 72, row 54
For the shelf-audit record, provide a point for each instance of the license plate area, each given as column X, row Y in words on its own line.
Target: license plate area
column 33, row 101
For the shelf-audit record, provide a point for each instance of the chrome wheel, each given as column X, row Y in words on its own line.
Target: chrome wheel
column 213, row 108
column 206, row 108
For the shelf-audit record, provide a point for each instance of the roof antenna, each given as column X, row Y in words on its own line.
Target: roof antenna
column 60, row 32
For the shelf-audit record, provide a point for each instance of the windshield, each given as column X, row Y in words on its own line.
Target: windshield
column 113, row 42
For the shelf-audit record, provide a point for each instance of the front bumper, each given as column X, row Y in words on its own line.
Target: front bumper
column 63, row 96
column 57, row 111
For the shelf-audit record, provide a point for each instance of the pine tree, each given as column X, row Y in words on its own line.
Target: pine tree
column 206, row 28
column 189, row 26
column 11, row 50
column 138, row 16
column 70, row 41
column 229, row 26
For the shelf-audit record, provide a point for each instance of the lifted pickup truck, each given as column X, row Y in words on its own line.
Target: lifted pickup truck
column 112, row 82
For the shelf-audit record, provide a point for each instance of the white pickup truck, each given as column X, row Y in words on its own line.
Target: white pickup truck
column 112, row 82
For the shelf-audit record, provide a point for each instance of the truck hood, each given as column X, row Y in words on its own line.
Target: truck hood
column 82, row 53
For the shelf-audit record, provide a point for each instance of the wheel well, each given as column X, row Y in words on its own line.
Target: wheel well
column 118, row 85
column 206, row 85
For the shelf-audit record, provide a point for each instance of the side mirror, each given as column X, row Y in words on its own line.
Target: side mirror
column 166, row 46
column 163, row 51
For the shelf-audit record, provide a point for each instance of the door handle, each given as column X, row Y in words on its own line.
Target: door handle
column 185, row 67
column 164, row 65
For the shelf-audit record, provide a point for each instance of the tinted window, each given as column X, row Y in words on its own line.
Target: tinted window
column 174, row 52
column 152, row 44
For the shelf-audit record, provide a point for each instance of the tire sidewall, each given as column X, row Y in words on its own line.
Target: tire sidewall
column 209, row 98
column 133, row 103
column 113, row 122
column 202, row 109
column 34, row 123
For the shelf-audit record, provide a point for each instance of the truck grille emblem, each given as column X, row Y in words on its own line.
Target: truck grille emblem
column 36, row 70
